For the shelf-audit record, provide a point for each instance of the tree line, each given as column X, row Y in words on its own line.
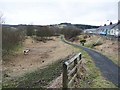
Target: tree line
column 48, row 31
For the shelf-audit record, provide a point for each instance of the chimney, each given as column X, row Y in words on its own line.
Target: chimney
column 118, row 21
column 110, row 23
column 104, row 24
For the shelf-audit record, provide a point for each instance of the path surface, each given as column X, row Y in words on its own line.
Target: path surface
column 110, row 71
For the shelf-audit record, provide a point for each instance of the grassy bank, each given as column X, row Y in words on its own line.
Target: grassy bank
column 111, row 57
column 37, row 79
column 93, row 42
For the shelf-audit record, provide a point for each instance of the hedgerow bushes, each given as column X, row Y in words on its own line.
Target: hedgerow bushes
column 70, row 32
column 11, row 38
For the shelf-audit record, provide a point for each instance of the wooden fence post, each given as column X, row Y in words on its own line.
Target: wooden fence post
column 65, row 77
column 80, row 56
column 75, row 63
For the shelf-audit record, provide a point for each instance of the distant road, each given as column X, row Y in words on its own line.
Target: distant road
column 110, row 71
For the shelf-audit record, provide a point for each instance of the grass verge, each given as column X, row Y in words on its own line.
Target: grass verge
column 94, row 78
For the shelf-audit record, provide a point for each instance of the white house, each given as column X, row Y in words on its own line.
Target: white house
column 105, row 30
column 115, row 30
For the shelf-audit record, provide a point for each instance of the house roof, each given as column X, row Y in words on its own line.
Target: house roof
column 117, row 26
column 108, row 26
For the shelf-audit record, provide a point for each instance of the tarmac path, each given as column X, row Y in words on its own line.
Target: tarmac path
column 109, row 70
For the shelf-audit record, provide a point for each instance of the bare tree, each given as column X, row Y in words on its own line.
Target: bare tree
column 1, row 15
column 2, row 19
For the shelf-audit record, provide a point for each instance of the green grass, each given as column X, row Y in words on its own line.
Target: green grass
column 37, row 79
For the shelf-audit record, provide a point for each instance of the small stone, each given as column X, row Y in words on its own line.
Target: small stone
column 23, row 68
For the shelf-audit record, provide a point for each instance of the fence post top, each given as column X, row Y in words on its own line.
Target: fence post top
column 79, row 53
column 66, row 63
column 72, row 59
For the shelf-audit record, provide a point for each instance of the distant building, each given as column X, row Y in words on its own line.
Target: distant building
column 115, row 30
column 90, row 30
column 107, row 30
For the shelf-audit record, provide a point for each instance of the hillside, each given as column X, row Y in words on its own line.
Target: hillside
column 79, row 26
column 83, row 26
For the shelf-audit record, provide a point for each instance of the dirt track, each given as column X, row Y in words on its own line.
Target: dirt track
column 40, row 55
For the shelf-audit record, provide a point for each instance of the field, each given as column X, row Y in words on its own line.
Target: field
column 40, row 56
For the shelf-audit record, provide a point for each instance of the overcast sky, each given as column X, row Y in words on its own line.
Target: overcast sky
column 45, row 12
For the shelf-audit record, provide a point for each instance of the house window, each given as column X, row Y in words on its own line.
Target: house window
column 111, row 31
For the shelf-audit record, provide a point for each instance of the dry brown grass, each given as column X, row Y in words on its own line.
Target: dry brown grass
column 108, row 48
column 40, row 55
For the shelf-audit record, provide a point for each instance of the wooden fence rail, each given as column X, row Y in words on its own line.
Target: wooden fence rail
column 70, row 70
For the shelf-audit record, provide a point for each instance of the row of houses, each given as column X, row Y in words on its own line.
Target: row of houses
column 107, row 30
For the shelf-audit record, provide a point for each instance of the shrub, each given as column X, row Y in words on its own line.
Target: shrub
column 30, row 30
column 40, row 39
column 11, row 38
column 85, row 37
column 83, row 41
column 70, row 32
column 44, row 31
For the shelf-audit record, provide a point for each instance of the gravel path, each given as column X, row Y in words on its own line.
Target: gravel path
column 110, row 71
